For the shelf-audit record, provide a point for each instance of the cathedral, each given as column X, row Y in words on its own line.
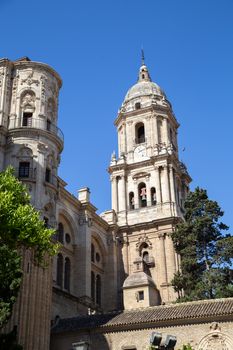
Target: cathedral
column 109, row 286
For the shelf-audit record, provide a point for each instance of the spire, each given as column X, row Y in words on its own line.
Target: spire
column 143, row 72
column 143, row 57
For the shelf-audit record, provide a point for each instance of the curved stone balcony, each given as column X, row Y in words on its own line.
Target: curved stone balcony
column 37, row 123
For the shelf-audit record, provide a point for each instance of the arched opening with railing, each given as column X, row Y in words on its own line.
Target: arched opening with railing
column 142, row 195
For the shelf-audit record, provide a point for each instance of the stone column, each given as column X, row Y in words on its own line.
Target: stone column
column 124, row 138
column 155, row 130
column 114, row 193
column 165, row 128
column 121, row 193
column 148, row 196
column 163, row 266
column 172, row 185
column 136, row 199
column 166, row 196
column 130, row 136
column 157, row 185
column 170, row 258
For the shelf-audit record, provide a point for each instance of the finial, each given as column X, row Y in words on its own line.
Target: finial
column 143, row 56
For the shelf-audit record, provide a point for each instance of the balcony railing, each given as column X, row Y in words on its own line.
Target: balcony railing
column 144, row 204
column 37, row 123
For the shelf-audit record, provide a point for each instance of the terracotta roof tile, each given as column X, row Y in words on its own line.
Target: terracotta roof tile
column 189, row 310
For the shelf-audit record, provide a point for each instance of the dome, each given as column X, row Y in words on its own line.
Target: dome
column 144, row 90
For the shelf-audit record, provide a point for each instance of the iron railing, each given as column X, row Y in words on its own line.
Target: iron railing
column 37, row 123
column 144, row 204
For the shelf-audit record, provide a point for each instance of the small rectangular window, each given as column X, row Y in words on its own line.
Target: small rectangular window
column 27, row 119
column 48, row 175
column 24, row 169
column 48, row 125
column 141, row 295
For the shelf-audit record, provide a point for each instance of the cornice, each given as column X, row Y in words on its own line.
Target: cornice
column 30, row 132
column 152, row 108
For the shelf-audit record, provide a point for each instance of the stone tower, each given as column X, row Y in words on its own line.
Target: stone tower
column 149, row 185
column 31, row 142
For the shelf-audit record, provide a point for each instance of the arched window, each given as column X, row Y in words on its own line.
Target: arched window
column 143, row 247
column 131, row 200
column 142, row 195
column 60, row 234
column 92, row 252
column 67, row 274
column 140, row 133
column 153, row 196
column 92, row 286
column 59, row 270
column 98, row 290
column 137, row 105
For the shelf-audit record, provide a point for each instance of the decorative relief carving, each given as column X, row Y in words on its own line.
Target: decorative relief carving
column 41, row 147
column 14, row 87
column 29, row 80
column 216, row 340
column 28, row 101
column 143, row 239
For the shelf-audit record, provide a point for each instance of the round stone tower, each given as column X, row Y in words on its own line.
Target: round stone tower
column 31, row 142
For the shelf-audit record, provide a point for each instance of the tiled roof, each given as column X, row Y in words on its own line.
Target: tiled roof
column 190, row 310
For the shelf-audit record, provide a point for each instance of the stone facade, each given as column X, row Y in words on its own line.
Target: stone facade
column 121, row 259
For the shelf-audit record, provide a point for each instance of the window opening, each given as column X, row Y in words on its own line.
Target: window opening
column 24, row 168
column 27, row 119
column 48, row 175
column 67, row 274
column 142, row 195
column 67, row 238
column 60, row 236
column 98, row 290
column 131, row 201
column 59, row 270
column 92, row 253
column 48, row 125
column 92, row 286
column 141, row 295
column 153, row 196
column 140, row 133
column 97, row 256
column 137, row 105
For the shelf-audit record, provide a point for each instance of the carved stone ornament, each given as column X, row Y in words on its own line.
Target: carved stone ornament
column 28, row 101
column 29, row 80
column 41, row 147
column 216, row 340
column 141, row 240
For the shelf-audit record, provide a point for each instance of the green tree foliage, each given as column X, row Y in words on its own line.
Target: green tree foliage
column 186, row 347
column 20, row 228
column 206, row 251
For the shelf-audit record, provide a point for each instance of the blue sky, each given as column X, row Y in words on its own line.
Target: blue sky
column 95, row 47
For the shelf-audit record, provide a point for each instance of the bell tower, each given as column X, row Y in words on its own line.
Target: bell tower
column 149, row 183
